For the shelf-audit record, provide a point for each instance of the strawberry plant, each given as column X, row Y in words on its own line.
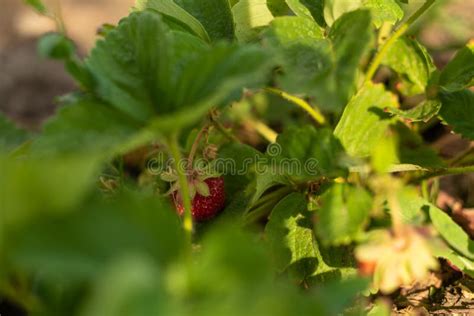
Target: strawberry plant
column 259, row 157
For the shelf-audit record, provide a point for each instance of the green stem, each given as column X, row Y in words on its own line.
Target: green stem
column 397, row 34
column 312, row 111
column 443, row 172
column 264, row 130
column 184, row 187
column 195, row 146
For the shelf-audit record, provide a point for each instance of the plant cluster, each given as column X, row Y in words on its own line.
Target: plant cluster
column 88, row 229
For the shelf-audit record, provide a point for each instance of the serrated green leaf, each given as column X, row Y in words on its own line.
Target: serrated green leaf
column 291, row 30
column 458, row 111
column 158, row 75
column 309, row 8
column 307, row 154
column 88, row 127
column 324, row 69
column 291, row 237
column 420, row 113
column 334, row 9
column 364, row 121
column 170, row 8
column 237, row 164
column 10, row 136
column 250, row 17
column 454, row 235
column 133, row 66
column 343, row 214
column 298, row 8
column 412, row 62
column 384, row 11
column 215, row 16
column 351, row 36
column 334, row 264
column 265, row 179
column 459, row 72
column 305, row 55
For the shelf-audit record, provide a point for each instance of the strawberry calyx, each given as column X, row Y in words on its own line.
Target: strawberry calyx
column 205, row 184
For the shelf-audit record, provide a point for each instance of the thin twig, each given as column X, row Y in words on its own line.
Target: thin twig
column 311, row 110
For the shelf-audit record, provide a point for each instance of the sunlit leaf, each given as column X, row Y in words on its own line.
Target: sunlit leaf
column 250, row 17
column 364, row 121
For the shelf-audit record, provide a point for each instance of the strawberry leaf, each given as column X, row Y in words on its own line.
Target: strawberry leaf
column 291, row 238
column 170, row 8
column 250, row 17
column 158, row 75
column 458, row 112
column 412, row 62
column 382, row 10
column 215, row 16
column 459, row 72
column 89, row 127
column 312, row 9
column 422, row 112
column 364, row 121
column 322, row 68
column 454, row 235
column 308, row 154
column 343, row 215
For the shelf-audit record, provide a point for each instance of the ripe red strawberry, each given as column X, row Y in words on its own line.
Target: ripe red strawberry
column 205, row 207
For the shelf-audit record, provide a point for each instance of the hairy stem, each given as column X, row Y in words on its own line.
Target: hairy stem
column 397, row 34
column 312, row 111
column 195, row 146
column 184, row 187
